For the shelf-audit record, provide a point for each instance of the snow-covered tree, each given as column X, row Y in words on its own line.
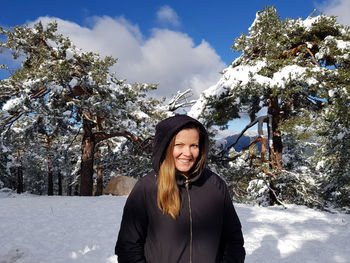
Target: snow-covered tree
column 33, row 148
column 59, row 81
column 296, row 70
column 333, row 154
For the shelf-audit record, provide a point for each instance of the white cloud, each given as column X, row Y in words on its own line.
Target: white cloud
column 167, row 57
column 168, row 15
column 339, row 8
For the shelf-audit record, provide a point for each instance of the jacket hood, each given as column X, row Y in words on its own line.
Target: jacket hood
column 166, row 130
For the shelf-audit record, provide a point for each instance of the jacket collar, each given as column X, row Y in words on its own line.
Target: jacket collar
column 181, row 180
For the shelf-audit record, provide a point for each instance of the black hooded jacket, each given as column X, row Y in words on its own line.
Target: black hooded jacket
column 207, row 230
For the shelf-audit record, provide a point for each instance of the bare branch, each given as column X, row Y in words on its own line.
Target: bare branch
column 11, row 119
column 275, row 196
column 260, row 121
column 180, row 100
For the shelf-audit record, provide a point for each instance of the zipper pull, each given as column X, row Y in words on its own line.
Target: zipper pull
column 187, row 182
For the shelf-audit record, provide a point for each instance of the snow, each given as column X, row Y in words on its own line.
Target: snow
column 67, row 113
column 341, row 44
column 70, row 53
column 12, row 103
column 140, row 114
column 309, row 21
column 292, row 72
column 40, row 229
column 341, row 135
column 55, row 88
column 233, row 75
column 240, row 76
column 74, row 82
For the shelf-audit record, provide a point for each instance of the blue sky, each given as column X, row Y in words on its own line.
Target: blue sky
column 217, row 22
column 178, row 44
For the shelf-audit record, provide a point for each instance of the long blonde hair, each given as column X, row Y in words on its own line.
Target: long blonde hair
column 168, row 195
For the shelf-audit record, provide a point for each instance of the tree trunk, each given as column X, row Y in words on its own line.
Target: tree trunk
column 90, row 139
column 87, row 159
column 19, row 174
column 49, row 182
column 76, row 189
column 49, row 165
column 20, row 185
column 59, row 177
column 99, row 177
column 276, row 146
column 99, row 182
column 69, row 189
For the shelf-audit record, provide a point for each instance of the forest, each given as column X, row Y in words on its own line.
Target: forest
column 68, row 124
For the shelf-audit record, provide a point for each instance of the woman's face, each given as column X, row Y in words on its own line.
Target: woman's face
column 186, row 150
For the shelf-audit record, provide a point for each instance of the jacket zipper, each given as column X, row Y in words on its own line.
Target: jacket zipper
column 190, row 212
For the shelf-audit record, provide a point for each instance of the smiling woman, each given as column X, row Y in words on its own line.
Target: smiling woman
column 182, row 211
column 186, row 150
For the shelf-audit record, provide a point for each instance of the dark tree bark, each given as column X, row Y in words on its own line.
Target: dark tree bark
column 99, row 170
column 99, row 182
column 48, row 139
column 49, row 182
column 59, row 177
column 69, row 190
column 277, row 145
column 20, row 185
column 19, row 175
column 76, row 189
column 87, row 159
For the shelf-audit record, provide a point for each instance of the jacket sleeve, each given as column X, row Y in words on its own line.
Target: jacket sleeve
column 232, row 237
column 133, row 229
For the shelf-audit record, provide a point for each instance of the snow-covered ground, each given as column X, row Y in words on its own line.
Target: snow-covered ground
column 42, row 229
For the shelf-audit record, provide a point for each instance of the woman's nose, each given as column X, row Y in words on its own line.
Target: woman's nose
column 186, row 151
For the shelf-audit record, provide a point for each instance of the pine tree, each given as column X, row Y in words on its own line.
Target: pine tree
column 334, row 151
column 58, row 81
column 291, row 68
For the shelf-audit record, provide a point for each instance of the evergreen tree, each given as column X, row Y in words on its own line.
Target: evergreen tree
column 58, row 81
column 291, row 68
column 334, row 151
